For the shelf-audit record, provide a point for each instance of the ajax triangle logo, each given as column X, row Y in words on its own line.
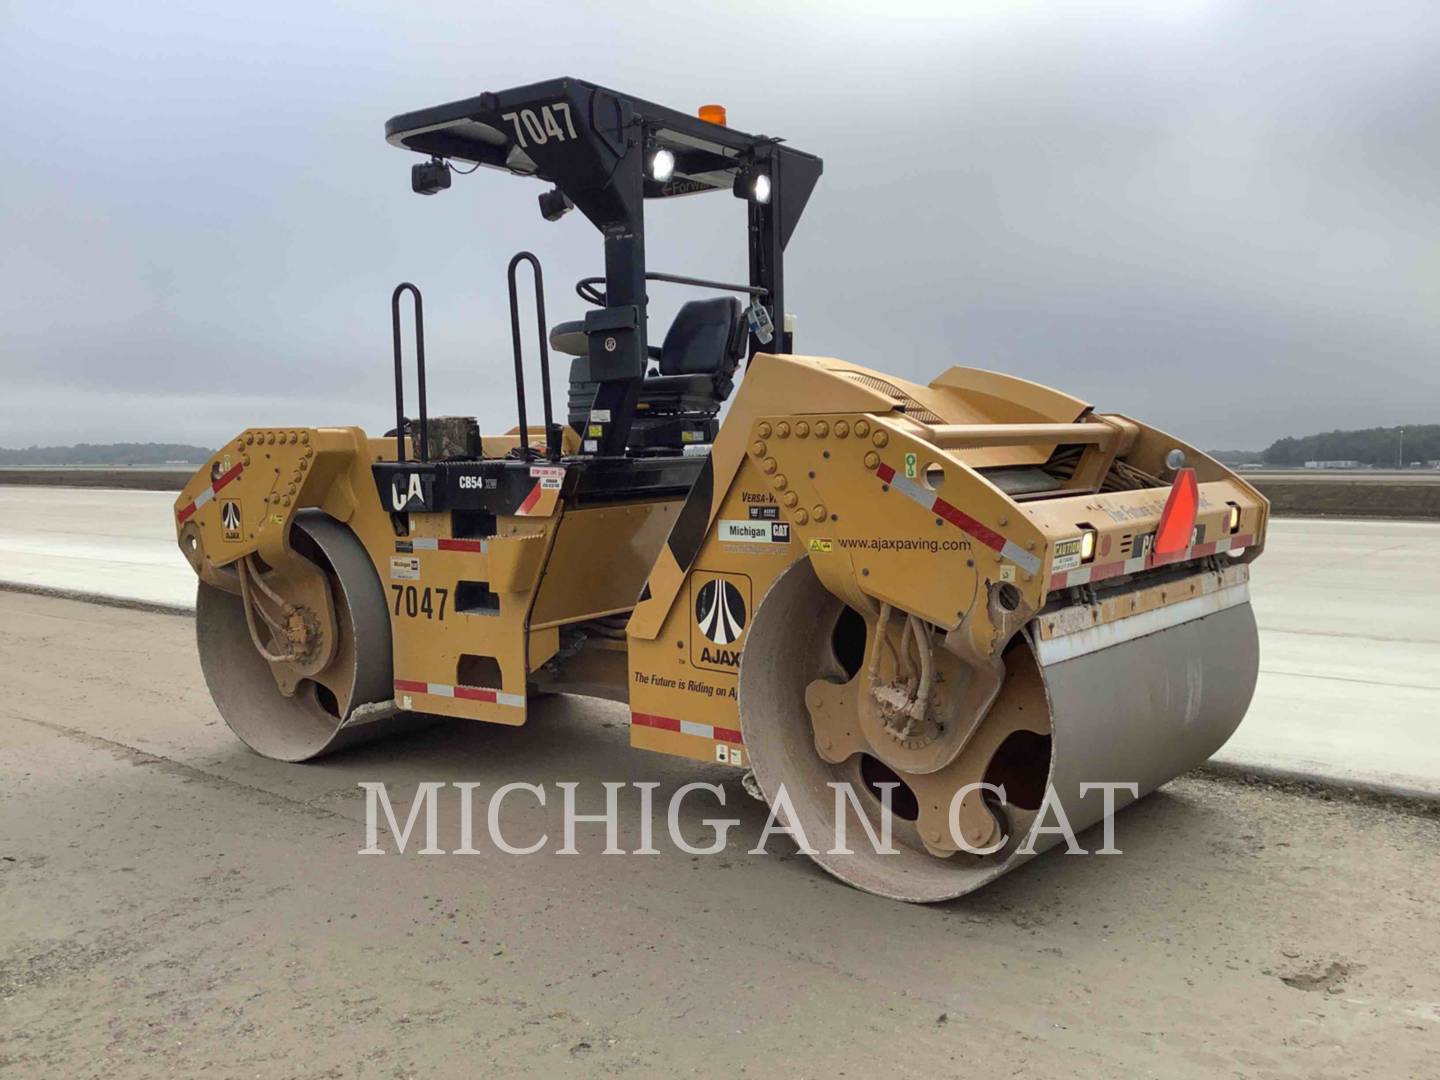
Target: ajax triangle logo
column 230, row 519
column 722, row 608
column 720, row 611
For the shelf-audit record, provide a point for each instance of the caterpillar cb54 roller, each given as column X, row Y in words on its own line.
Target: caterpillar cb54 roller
column 851, row 577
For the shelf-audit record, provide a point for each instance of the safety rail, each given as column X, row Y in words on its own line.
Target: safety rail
column 586, row 289
column 424, row 438
column 970, row 436
column 552, row 432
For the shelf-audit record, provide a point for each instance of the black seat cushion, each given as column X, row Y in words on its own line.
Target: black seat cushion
column 680, row 394
column 658, row 394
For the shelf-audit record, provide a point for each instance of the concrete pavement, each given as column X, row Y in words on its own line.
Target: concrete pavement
column 115, row 544
column 1349, row 613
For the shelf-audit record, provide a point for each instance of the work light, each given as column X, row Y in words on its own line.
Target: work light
column 662, row 165
column 753, row 185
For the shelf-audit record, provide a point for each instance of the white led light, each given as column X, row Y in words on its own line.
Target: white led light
column 761, row 189
column 1087, row 545
column 662, row 165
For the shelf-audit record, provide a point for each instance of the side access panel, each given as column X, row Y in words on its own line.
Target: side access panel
column 460, row 605
column 684, row 681
column 599, row 561
column 458, row 609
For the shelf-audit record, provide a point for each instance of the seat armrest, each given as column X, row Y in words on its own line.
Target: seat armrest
column 570, row 338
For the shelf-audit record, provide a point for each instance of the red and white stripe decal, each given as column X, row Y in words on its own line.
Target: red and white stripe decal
column 466, row 693
column 530, row 500
column 432, row 543
column 1007, row 549
column 1064, row 579
column 687, row 727
column 188, row 510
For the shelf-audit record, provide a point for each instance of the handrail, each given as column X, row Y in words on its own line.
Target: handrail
column 585, row 287
column 400, row 374
column 956, row 436
column 552, row 434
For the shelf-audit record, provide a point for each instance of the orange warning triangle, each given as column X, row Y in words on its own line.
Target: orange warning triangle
column 1177, row 520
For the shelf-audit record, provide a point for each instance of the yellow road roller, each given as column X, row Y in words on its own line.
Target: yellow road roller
column 964, row 598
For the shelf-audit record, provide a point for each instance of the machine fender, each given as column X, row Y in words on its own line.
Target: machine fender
column 772, row 384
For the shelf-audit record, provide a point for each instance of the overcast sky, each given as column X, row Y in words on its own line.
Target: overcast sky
column 1223, row 218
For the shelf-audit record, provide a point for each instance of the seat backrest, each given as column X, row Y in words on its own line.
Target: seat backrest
column 706, row 338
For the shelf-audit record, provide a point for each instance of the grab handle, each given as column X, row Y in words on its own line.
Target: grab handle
column 552, row 434
column 424, row 440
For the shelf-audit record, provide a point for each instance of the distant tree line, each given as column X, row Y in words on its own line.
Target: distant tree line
column 106, row 454
column 1372, row 446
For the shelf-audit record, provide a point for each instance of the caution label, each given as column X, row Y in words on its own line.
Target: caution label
column 1067, row 554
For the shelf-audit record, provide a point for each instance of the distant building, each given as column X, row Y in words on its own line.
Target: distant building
column 1345, row 464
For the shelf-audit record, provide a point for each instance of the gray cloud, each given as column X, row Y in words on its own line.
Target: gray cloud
column 1218, row 217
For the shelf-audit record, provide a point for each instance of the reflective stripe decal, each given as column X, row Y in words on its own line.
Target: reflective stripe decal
column 530, row 500
column 465, row 693
column 1007, row 549
column 188, row 510
column 686, row 727
column 432, row 543
column 1085, row 575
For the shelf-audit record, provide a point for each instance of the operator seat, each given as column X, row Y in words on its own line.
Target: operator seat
column 682, row 394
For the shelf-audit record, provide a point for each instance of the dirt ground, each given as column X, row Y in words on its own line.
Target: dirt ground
column 171, row 904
